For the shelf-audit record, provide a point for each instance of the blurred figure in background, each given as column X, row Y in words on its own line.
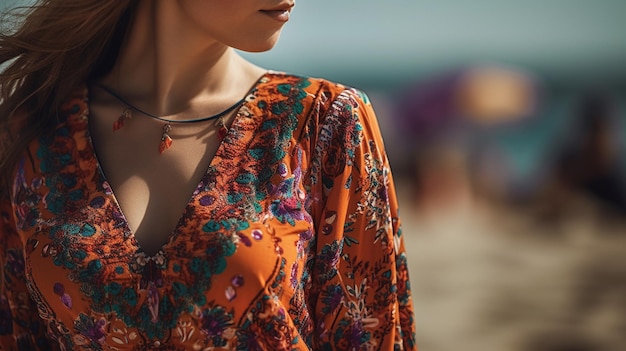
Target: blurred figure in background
column 588, row 163
column 448, row 117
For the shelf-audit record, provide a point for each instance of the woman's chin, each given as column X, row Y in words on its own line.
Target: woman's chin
column 261, row 45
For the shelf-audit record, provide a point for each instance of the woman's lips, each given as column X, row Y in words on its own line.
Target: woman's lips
column 279, row 15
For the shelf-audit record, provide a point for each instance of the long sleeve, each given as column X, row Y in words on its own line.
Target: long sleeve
column 21, row 329
column 359, row 280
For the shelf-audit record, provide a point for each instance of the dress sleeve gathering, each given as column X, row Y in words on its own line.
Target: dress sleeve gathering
column 360, row 283
column 21, row 328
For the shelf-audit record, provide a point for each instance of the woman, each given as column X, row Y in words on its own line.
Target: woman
column 162, row 193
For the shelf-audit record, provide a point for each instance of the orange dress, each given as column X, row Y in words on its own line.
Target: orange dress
column 291, row 240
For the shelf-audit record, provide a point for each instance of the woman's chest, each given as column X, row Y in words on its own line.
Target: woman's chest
column 245, row 231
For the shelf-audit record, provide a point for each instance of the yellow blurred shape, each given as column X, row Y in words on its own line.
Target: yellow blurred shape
column 493, row 94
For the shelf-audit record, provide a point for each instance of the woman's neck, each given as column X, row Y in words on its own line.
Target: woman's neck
column 170, row 67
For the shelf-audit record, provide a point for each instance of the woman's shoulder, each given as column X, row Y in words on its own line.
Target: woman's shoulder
column 324, row 93
column 321, row 85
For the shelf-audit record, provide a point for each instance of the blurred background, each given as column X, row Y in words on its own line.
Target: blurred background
column 505, row 124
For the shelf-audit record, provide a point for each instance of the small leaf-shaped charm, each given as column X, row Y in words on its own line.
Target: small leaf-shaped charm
column 166, row 140
column 166, row 143
column 119, row 123
column 223, row 130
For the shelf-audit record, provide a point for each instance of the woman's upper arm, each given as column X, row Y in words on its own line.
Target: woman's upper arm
column 359, row 272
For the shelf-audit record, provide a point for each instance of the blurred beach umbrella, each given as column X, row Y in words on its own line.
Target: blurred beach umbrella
column 495, row 94
column 480, row 95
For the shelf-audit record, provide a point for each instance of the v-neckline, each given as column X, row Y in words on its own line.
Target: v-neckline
column 233, row 134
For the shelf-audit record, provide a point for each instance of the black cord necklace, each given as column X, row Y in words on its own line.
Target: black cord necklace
column 166, row 140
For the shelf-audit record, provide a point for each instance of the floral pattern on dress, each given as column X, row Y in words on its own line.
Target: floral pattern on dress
column 291, row 240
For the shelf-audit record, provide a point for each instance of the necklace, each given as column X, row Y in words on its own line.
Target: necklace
column 166, row 140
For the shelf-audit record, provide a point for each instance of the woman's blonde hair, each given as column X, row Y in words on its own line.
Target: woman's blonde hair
column 47, row 50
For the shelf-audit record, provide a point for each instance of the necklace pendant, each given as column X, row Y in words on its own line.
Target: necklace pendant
column 222, row 132
column 119, row 123
column 222, row 129
column 166, row 143
column 166, row 140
